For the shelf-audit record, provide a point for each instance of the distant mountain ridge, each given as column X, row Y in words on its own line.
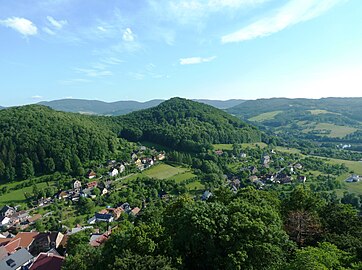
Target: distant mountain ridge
column 349, row 107
column 122, row 107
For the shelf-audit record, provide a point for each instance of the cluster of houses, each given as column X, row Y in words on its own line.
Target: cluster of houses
column 110, row 214
column 20, row 220
column 31, row 250
column 42, row 250
column 283, row 176
column 143, row 162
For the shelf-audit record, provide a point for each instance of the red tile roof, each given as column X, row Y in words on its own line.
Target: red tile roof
column 47, row 261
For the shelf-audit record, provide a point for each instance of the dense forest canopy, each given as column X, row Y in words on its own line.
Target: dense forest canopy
column 187, row 125
column 36, row 140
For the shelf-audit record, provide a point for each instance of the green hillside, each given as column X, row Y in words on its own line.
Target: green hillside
column 186, row 125
column 35, row 139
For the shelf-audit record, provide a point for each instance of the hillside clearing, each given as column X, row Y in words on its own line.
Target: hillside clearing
column 329, row 130
column 265, row 116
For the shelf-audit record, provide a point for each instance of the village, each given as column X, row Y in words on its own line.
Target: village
column 21, row 248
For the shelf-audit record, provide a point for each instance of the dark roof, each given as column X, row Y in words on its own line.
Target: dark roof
column 103, row 216
column 6, row 208
column 47, row 261
column 16, row 260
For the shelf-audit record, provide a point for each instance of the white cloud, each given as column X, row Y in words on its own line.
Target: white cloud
column 37, row 97
column 128, row 35
column 295, row 11
column 48, row 31
column 192, row 11
column 93, row 72
column 55, row 23
column 196, row 60
column 22, row 25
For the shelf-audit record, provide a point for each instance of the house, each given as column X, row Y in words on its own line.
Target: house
column 77, row 185
column 121, row 168
column 113, row 172
column 298, row 166
column 63, row 195
column 4, row 221
column 103, row 217
column 302, row 179
column 7, row 211
column 243, row 155
column 21, row 240
column 91, row 174
column 98, row 239
column 47, row 261
column 126, row 207
column 92, row 185
column 285, row 179
column 161, row 156
column 34, row 218
column 135, row 211
column 218, row 152
column 104, row 191
column 134, row 156
column 265, row 161
column 21, row 259
column 45, row 241
column 253, row 178
column 207, row 194
column 353, row 178
column 253, row 170
column 138, row 162
column 87, row 192
column 116, row 212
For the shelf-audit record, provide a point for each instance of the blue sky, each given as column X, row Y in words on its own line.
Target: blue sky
column 147, row 49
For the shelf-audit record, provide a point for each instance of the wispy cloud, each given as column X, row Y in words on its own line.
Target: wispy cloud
column 37, row 97
column 22, row 25
column 128, row 35
column 196, row 60
column 58, row 24
column 93, row 72
column 74, row 81
column 295, row 11
column 191, row 11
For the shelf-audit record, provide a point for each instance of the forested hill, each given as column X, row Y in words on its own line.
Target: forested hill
column 99, row 107
column 35, row 139
column 348, row 107
column 187, row 125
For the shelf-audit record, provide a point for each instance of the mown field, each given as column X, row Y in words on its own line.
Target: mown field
column 230, row 146
column 329, row 130
column 164, row 171
column 264, row 116
column 18, row 196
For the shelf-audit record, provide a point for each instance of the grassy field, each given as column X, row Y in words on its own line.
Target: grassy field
column 223, row 146
column 230, row 146
column 287, row 150
column 163, row 171
column 254, row 145
column 17, row 196
column 335, row 130
column 264, row 116
column 182, row 177
column 317, row 112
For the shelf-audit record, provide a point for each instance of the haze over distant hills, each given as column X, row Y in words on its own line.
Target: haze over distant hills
column 122, row 107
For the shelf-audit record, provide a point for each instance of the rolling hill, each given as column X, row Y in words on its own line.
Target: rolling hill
column 96, row 107
column 326, row 119
column 187, row 125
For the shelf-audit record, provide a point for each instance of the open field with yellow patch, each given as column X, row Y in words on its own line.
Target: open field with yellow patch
column 329, row 130
column 264, row 116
